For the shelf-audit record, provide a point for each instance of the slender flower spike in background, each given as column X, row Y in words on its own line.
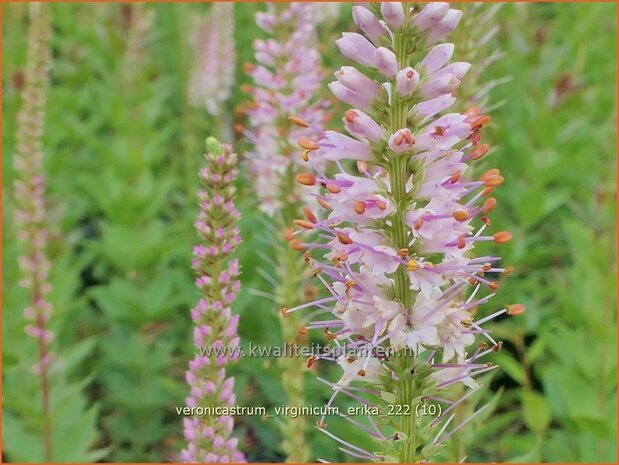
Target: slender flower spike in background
column 212, row 78
column 396, row 248
column 30, row 211
column 215, row 326
column 287, row 81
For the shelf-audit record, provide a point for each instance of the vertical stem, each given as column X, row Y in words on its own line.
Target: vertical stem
column 399, row 175
column 293, row 429
column 43, row 376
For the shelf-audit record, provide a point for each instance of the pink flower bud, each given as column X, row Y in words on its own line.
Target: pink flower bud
column 361, row 125
column 386, row 61
column 348, row 96
column 357, row 48
column 406, row 81
column 433, row 106
column 358, row 82
column 437, row 58
column 367, row 22
column 445, row 26
column 458, row 69
column 431, row 14
column 336, row 146
column 393, row 13
column 440, row 85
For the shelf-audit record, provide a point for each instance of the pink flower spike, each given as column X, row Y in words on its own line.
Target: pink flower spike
column 214, row 326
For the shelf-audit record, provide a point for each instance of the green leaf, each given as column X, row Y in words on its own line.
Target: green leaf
column 536, row 412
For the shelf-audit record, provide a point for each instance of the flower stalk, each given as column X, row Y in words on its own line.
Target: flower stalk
column 211, row 80
column 396, row 248
column 215, row 327
column 30, row 208
column 287, row 78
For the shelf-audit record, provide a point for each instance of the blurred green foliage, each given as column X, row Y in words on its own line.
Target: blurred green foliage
column 123, row 147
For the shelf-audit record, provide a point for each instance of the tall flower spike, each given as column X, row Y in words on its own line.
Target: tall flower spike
column 29, row 194
column 285, row 109
column 212, row 77
column 215, row 327
column 396, row 250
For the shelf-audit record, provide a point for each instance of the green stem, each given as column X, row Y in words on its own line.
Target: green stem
column 399, row 175
column 292, row 270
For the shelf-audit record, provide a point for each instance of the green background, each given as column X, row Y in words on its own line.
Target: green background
column 122, row 151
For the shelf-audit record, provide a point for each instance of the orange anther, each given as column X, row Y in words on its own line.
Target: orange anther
column 289, row 234
column 493, row 181
column 296, row 244
column 492, row 172
column 460, row 215
column 350, row 115
column 515, row 309
column 360, row 208
column 487, row 190
column 309, row 214
column 333, row 188
column 344, row 239
column 501, row 237
column 480, row 121
column 307, row 179
column 489, row 205
column 308, row 144
column 323, row 203
column 479, row 151
column 298, row 121
column 304, row 224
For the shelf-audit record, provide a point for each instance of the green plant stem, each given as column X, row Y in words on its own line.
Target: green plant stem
column 399, row 175
column 291, row 272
